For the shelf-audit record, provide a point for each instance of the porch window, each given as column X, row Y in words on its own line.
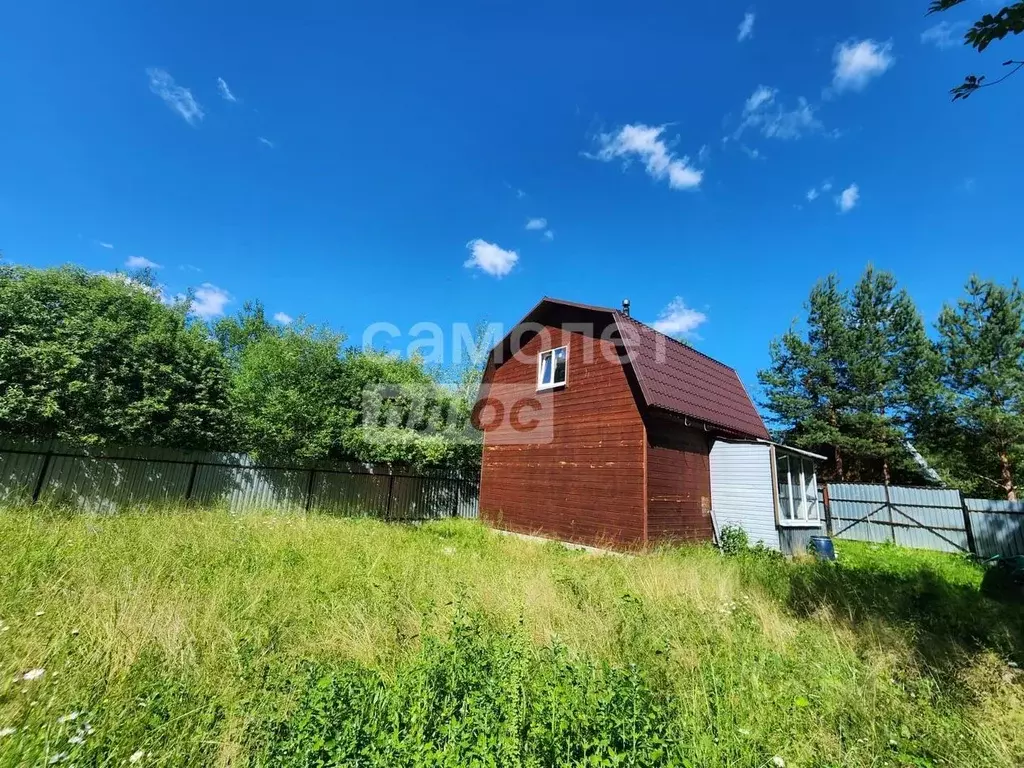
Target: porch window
column 798, row 489
column 551, row 368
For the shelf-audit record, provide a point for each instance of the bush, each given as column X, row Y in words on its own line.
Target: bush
column 734, row 540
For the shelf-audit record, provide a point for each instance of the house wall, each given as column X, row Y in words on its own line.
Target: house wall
column 579, row 474
column 743, row 490
column 678, row 482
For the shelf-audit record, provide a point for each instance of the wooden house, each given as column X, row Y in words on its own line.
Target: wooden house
column 599, row 429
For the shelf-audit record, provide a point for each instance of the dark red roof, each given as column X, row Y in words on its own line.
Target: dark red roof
column 675, row 377
column 672, row 376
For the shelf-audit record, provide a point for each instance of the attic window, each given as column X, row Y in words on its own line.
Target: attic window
column 551, row 368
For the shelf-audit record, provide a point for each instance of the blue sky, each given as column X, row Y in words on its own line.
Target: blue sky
column 356, row 158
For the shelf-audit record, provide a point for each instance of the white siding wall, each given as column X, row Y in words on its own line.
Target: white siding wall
column 741, row 490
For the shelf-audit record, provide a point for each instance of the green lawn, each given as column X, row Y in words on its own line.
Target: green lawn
column 202, row 638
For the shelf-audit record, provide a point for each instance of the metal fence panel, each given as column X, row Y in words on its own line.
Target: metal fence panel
column 924, row 518
column 998, row 526
column 148, row 477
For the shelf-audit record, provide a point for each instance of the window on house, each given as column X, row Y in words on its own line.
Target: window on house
column 798, row 489
column 551, row 368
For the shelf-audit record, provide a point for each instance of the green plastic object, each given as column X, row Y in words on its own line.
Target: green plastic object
column 1004, row 578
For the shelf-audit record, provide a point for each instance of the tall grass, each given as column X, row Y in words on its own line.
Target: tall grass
column 201, row 638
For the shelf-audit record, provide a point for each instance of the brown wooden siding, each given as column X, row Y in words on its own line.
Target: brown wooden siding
column 584, row 479
column 678, row 482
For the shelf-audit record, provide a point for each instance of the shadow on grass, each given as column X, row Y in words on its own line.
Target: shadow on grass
column 948, row 621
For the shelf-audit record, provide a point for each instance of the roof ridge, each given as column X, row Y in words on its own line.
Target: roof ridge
column 675, row 341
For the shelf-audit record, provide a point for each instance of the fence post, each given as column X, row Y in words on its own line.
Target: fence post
column 309, row 488
column 458, row 497
column 391, row 490
column 828, row 510
column 41, row 480
column 968, row 529
column 191, row 481
column 888, row 509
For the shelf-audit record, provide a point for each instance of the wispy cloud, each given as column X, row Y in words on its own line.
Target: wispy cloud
column 815, row 192
column 549, row 235
column 209, row 301
column 140, row 262
column 848, row 198
column 224, row 91
column 490, row 258
column 945, row 34
column 746, row 30
column 177, row 98
column 644, row 142
column 108, row 246
column 763, row 111
column 536, row 223
column 857, row 62
column 283, row 318
column 677, row 319
column 266, row 142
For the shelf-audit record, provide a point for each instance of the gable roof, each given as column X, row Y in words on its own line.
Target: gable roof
column 672, row 376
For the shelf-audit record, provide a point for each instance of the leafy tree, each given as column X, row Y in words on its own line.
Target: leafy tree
column 982, row 343
column 287, row 393
column 100, row 359
column 988, row 29
column 248, row 325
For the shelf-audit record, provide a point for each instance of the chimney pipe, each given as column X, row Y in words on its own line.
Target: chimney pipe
column 625, row 307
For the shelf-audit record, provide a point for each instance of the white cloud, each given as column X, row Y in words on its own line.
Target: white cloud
column 753, row 154
column 140, row 262
column 536, row 223
column 491, row 258
column 283, row 318
column 209, row 301
column 266, row 142
column 945, row 34
column 677, row 319
column 549, row 235
column 848, row 198
column 108, row 246
column 225, row 92
column 826, row 187
column 858, row 62
column 812, row 194
column 746, row 29
column 815, row 192
column 645, row 142
column 177, row 98
column 764, row 112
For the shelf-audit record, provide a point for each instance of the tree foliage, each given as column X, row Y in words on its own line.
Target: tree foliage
column 989, row 28
column 975, row 426
column 94, row 358
column 849, row 385
column 103, row 359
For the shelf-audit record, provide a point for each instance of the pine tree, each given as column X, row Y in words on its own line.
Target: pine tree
column 982, row 344
column 849, row 389
column 892, row 366
column 805, row 387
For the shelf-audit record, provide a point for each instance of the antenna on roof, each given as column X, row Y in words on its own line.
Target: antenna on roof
column 625, row 307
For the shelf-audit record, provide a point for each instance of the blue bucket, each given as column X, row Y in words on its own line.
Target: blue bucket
column 822, row 548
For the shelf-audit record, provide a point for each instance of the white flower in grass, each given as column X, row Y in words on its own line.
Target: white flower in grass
column 33, row 674
column 76, row 739
column 7, row 731
column 136, row 756
column 778, row 762
column 54, row 759
column 40, row 613
column 68, row 717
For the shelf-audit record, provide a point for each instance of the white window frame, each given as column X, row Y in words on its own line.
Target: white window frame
column 804, row 511
column 541, row 384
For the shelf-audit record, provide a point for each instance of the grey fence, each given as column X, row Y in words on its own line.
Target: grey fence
column 113, row 479
column 926, row 518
